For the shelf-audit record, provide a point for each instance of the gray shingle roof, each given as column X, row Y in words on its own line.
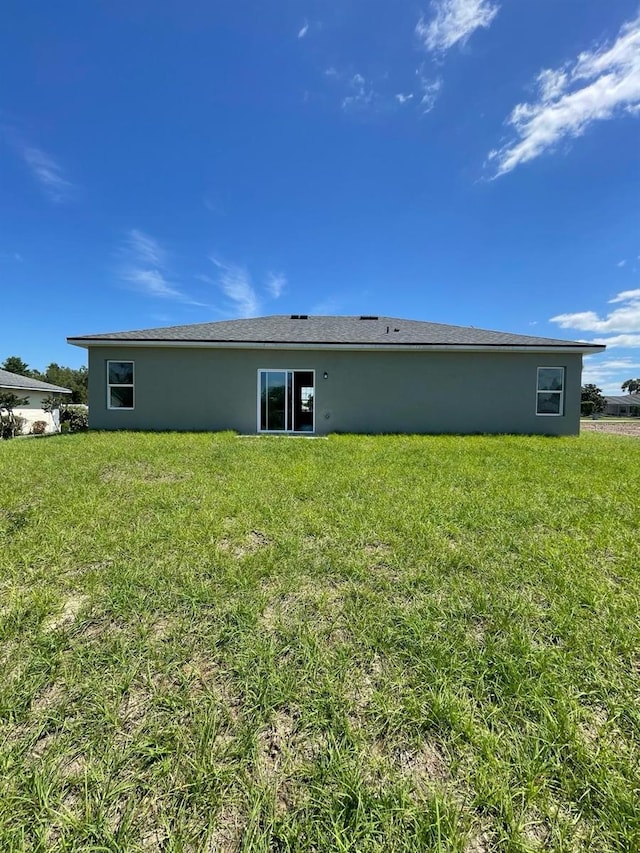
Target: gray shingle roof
column 626, row 400
column 284, row 329
column 26, row 383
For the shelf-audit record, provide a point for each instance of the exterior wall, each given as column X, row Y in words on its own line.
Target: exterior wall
column 34, row 411
column 365, row 392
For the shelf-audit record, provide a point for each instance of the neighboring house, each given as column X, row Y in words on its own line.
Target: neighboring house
column 625, row 405
column 306, row 374
column 36, row 392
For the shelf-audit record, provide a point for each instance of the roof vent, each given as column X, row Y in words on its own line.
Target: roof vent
column 368, row 317
column 299, row 316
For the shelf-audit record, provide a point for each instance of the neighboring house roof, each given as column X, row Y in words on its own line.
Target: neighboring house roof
column 348, row 332
column 625, row 400
column 25, row 383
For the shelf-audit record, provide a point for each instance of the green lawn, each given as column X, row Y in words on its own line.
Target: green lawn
column 365, row 644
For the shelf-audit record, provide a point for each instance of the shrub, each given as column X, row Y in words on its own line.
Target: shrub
column 76, row 417
column 39, row 427
column 11, row 426
column 587, row 407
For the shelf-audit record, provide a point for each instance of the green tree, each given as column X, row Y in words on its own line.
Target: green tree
column 14, row 364
column 592, row 394
column 631, row 386
column 76, row 380
column 10, row 423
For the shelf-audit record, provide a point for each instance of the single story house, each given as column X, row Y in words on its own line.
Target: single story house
column 316, row 375
column 36, row 392
column 625, row 405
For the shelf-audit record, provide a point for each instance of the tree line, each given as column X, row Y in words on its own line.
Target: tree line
column 75, row 379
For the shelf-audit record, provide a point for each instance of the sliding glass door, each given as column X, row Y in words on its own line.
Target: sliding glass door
column 286, row 400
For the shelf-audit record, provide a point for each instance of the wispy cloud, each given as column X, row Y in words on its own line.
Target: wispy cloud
column 607, row 373
column 276, row 283
column 145, row 249
column 144, row 268
column 429, row 91
column 621, row 264
column 361, row 94
column 235, row 283
column 48, row 173
column 11, row 256
column 454, row 21
column 303, row 30
column 600, row 84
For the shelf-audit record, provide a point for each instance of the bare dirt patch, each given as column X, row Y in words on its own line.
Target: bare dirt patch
column 631, row 429
column 67, row 617
column 318, row 602
column 46, row 698
column 251, row 544
column 377, row 549
column 227, row 835
column 425, row 767
column 274, row 744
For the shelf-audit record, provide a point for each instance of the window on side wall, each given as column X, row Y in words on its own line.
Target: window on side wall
column 550, row 392
column 119, row 384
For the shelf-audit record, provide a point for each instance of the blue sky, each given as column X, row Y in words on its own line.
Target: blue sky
column 474, row 162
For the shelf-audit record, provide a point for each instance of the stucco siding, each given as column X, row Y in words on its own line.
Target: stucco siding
column 365, row 391
column 33, row 411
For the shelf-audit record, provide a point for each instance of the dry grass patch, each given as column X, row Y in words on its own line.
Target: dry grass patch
column 250, row 544
column 70, row 610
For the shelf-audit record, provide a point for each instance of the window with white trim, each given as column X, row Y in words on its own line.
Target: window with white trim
column 550, row 391
column 119, row 384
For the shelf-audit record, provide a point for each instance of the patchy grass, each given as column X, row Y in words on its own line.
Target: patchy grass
column 361, row 644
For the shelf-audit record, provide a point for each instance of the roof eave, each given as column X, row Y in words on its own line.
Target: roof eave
column 53, row 390
column 577, row 347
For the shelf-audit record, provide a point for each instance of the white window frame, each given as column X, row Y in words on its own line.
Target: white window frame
column 131, row 385
column 560, row 413
column 294, row 370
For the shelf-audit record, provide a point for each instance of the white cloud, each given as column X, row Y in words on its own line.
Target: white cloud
column 600, row 84
column 145, row 268
column 625, row 296
column 430, row 90
column 609, row 374
column 623, row 319
column 622, row 263
column 49, row 174
column 303, row 30
column 361, row 94
column 235, row 283
column 151, row 282
column 454, row 21
column 145, row 249
column 624, row 341
column 618, row 328
column 276, row 283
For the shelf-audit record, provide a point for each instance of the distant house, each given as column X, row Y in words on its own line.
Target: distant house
column 316, row 375
column 36, row 392
column 623, row 406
